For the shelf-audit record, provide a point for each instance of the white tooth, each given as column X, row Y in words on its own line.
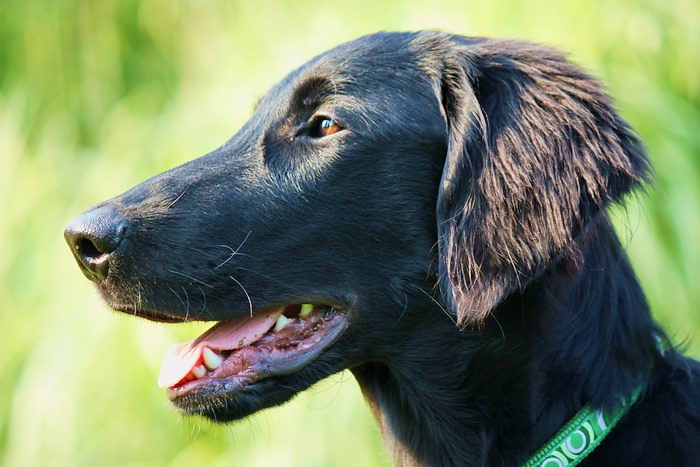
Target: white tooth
column 306, row 308
column 211, row 359
column 282, row 321
column 171, row 393
column 199, row 371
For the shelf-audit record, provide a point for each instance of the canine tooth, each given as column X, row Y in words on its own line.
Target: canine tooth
column 199, row 371
column 306, row 308
column 281, row 322
column 172, row 394
column 211, row 359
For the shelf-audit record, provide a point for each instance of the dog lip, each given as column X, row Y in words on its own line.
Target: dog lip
column 172, row 318
column 151, row 315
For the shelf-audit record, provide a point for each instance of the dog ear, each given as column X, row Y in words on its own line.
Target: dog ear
column 535, row 151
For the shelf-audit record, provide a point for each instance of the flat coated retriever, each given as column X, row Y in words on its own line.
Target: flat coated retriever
column 429, row 211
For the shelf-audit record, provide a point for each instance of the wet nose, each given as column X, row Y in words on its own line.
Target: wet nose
column 93, row 237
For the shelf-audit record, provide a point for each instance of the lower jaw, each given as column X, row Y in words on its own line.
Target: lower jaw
column 211, row 397
column 224, row 406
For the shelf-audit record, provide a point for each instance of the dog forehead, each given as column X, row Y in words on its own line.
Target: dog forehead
column 383, row 63
column 375, row 60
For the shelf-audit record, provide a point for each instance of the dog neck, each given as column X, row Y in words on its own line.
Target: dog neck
column 580, row 334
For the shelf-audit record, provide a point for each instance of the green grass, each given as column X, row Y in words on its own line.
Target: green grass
column 95, row 96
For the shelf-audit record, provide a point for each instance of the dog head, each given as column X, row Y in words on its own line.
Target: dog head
column 310, row 236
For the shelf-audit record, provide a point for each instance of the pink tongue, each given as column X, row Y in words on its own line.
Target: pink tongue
column 227, row 335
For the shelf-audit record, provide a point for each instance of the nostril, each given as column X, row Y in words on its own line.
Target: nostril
column 93, row 255
column 87, row 249
column 93, row 237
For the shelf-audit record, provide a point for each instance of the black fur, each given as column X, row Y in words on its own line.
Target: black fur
column 460, row 218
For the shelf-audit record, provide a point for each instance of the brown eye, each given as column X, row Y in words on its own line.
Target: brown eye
column 324, row 126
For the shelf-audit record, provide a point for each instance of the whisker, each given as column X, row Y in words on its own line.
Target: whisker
column 191, row 278
column 233, row 252
column 204, row 299
column 250, row 302
column 437, row 303
column 176, row 199
column 403, row 312
column 178, row 297
column 187, row 312
column 269, row 278
column 138, row 304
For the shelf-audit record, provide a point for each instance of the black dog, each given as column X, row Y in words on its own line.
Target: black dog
column 427, row 210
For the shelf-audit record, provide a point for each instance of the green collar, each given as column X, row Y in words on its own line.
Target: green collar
column 581, row 435
column 586, row 430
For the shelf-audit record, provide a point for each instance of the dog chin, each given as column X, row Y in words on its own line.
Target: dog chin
column 223, row 406
column 232, row 401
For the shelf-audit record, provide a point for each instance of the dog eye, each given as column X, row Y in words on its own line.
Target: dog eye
column 324, row 126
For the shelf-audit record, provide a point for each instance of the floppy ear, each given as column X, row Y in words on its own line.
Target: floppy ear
column 535, row 151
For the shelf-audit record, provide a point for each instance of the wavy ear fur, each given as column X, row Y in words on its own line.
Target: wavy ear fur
column 535, row 152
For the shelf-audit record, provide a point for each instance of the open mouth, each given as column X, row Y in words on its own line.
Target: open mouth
column 235, row 354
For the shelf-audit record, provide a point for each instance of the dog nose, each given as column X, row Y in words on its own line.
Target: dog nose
column 93, row 237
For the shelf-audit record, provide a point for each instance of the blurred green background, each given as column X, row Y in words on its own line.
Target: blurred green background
column 95, row 96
